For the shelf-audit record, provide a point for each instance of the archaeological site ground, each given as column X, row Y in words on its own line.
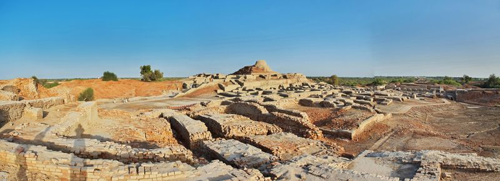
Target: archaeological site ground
column 253, row 124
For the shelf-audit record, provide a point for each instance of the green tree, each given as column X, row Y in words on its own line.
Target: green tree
column 334, row 79
column 107, row 76
column 466, row 79
column 449, row 81
column 148, row 75
column 158, row 75
column 379, row 81
column 86, row 95
column 145, row 69
column 492, row 82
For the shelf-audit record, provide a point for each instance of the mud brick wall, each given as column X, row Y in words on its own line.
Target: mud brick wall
column 10, row 111
column 286, row 120
column 192, row 132
column 45, row 103
column 368, row 123
column 236, row 126
column 237, row 153
column 36, row 163
column 13, row 110
column 91, row 148
column 57, row 139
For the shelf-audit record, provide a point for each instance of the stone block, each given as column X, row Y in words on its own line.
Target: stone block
column 236, row 126
column 238, row 154
column 192, row 132
column 33, row 113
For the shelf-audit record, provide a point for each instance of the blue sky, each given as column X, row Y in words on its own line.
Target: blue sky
column 58, row 39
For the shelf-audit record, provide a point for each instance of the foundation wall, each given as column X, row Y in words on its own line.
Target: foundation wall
column 192, row 132
column 10, row 111
column 38, row 163
column 290, row 121
column 368, row 123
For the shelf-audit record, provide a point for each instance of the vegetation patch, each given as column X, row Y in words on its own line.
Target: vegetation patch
column 148, row 75
column 45, row 83
column 86, row 95
column 109, row 76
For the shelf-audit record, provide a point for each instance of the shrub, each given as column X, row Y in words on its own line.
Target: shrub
column 86, row 95
column 492, row 82
column 51, row 84
column 378, row 82
column 447, row 80
column 148, row 75
column 466, row 79
column 107, row 76
column 450, row 81
column 44, row 82
column 334, row 79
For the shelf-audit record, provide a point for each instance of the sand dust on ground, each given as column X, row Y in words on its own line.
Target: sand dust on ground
column 123, row 88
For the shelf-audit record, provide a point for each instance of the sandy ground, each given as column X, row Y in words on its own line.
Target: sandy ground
column 153, row 103
column 114, row 89
column 452, row 127
column 124, row 88
column 460, row 175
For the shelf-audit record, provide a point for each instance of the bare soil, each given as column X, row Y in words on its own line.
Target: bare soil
column 204, row 92
column 453, row 127
column 336, row 118
column 123, row 88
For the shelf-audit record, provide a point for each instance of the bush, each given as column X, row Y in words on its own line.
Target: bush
column 334, row 79
column 378, row 82
column 107, row 76
column 148, row 75
column 50, row 85
column 492, row 82
column 44, row 82
column 86, row 95
column 466, row 79
column 447, row 80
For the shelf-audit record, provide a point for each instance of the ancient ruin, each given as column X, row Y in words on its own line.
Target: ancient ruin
column 254, row 124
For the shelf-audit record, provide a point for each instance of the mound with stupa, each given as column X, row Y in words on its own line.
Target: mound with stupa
column 260, row 67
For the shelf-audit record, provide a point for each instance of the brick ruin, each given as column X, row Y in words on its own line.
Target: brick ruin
column 256, row 129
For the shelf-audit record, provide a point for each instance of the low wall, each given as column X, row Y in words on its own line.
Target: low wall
column 39, row 163
column 56, row 138
column 10, row 111
column 14, row 110
column 192, row 132
column 290, row 121
column 368, row 123
column 364, row 126
column 236, row 126
column 45, row 103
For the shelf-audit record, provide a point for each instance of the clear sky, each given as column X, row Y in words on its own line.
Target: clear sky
column 67, row 39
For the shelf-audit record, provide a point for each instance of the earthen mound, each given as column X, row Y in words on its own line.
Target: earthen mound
column 260, row 67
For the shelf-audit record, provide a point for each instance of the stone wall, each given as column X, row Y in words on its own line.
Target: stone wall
column 13, row 110
column 368, row 123
column 45, row 103
column 192, row 132
column 60, row 137
column 290, row 121
column 239, row 154
column 39, row 163
column 236, row 126
column 286, row 146
column 10, row 111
